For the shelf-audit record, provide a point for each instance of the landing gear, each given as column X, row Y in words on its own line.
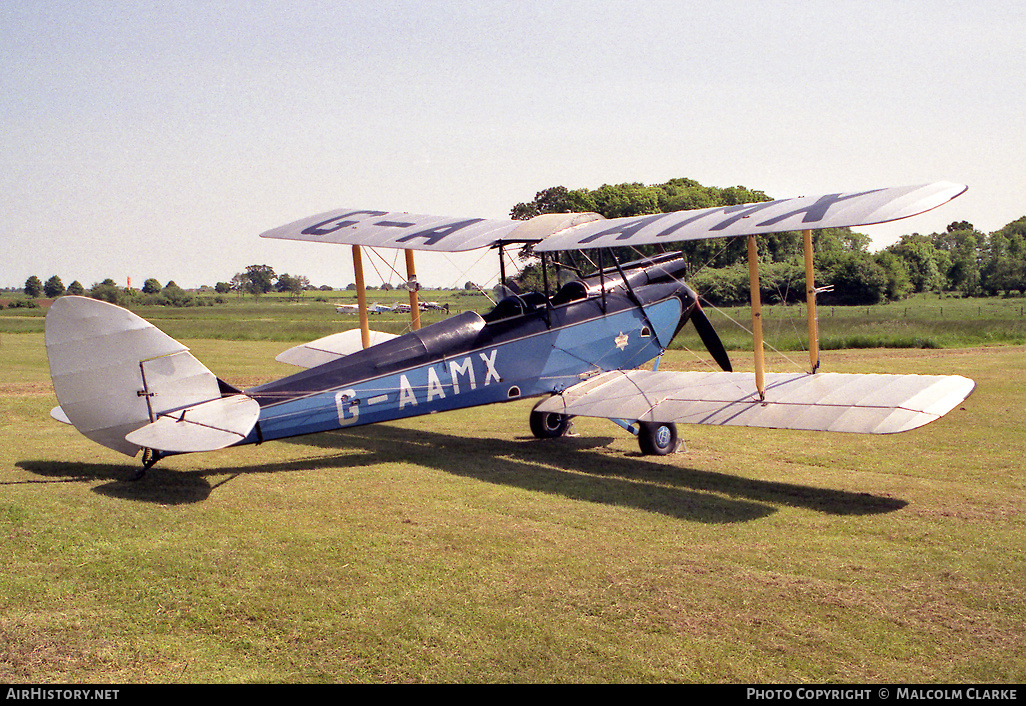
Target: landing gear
column 657, row 438
column 549, row 425
column 149, row 459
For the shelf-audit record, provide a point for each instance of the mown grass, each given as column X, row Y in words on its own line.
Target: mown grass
column 456, row 548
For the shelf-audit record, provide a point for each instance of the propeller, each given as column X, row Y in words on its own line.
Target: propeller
column 708, row 334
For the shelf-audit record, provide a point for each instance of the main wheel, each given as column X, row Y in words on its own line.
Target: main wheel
column 549, row 425
column 656, row 438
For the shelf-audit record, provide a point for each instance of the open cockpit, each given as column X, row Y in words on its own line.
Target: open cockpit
column 663, row 268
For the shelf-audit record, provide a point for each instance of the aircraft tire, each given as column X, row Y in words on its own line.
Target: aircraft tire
column 657, row 439
column 549, row 425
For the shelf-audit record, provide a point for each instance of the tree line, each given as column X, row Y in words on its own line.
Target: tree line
column 961, row 261
column 256, row 280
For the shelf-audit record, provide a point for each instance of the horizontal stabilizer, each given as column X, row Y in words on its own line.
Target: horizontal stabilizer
column 864, row 404
column 324, row 350
column 203, row 427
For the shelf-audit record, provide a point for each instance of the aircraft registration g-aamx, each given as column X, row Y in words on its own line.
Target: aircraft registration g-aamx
column 128, row 386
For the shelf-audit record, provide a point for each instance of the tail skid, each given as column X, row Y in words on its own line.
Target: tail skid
column 128, row 386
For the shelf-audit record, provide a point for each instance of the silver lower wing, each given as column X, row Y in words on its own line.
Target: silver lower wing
column 855, row 403
column 324, row 350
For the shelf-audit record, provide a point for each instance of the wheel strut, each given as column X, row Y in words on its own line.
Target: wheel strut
column 149, row 460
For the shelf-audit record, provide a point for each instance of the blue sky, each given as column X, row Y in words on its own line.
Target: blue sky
column 147, row 139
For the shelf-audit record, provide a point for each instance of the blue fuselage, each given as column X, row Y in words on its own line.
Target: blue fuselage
column 468, row 360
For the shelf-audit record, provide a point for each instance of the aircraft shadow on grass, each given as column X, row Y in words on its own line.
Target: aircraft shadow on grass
column 571, row 467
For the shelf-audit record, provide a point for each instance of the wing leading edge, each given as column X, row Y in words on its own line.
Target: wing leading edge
column 839, row 402
column 574, row 231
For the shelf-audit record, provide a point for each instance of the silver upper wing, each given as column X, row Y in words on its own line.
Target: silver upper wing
column 802, row 213
column 573, row 231
column 384, row 229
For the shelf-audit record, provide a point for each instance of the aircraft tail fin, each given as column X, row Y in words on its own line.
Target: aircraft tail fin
column 115, row 373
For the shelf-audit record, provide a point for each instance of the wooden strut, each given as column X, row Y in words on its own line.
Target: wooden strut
column 753, row 282
column 361, row 296
column 411, row 282
column 810, row 302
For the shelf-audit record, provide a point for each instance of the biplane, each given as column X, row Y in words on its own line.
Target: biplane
column 580, row 347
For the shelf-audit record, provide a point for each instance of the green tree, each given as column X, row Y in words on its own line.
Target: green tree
column 899, row 284
column 1004, row 274
column 151, row 286
column 293, row 286
column 1003, row 258
column 106, row 291
column 723, row 286
column 53, row 287
column 259, row 279
column 33, row 287
column 779, row 282
column 964, row 273
column 1009, row 271
column 556, row 199
column 626, row 200
column 76, row 288
column 855, row 278
column 173, row 295
column 921, row 261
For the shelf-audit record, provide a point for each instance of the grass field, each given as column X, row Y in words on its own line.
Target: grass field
column 456, row 548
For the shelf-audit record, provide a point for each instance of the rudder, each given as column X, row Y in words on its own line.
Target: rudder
column 114, row 372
